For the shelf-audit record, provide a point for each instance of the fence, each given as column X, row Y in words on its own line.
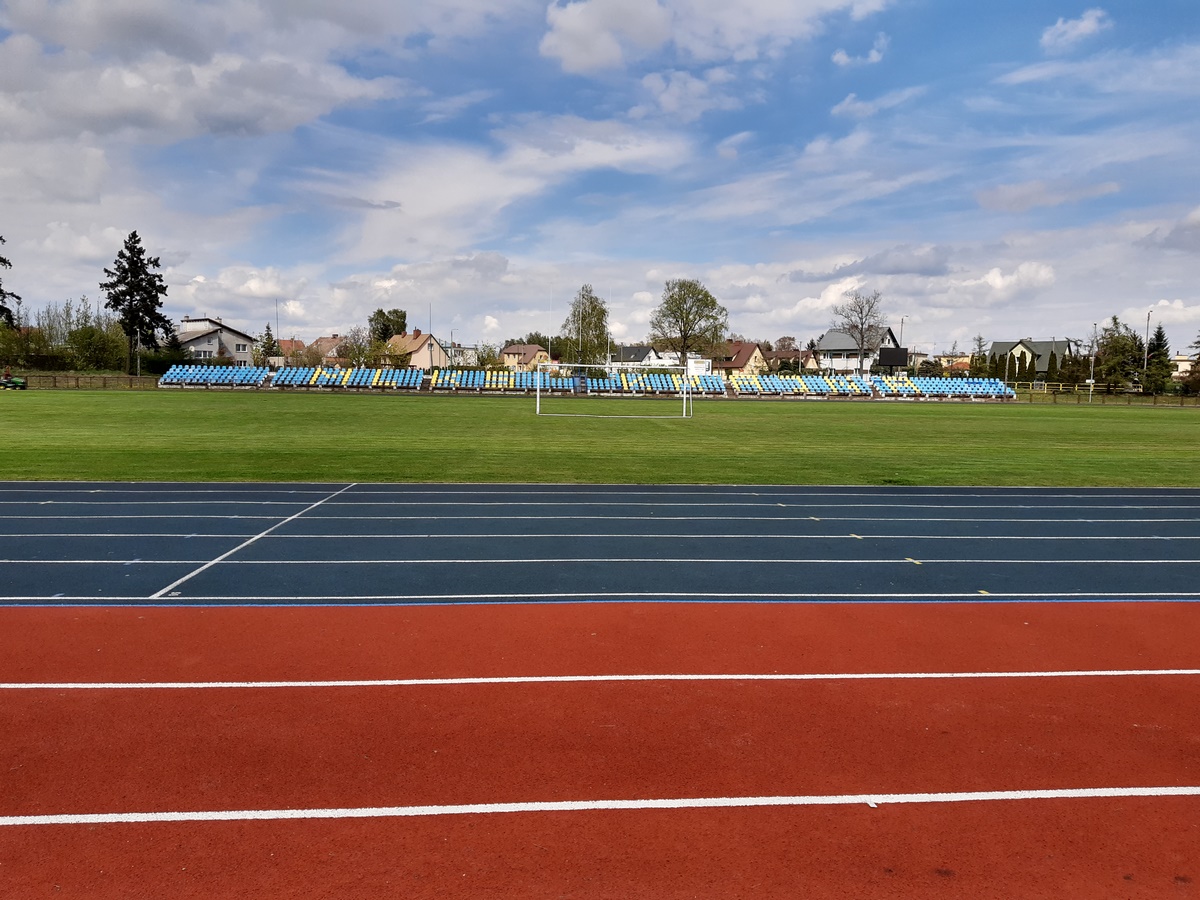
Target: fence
column 93, row 382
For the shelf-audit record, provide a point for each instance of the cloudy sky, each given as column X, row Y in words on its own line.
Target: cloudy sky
column 1020, row 169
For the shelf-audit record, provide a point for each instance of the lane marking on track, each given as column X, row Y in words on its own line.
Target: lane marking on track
column 247, row 543
column 870, row 800
column 584, row 679
column 608, row 560
column 342, row 600
column 13, row 521
column 558, row 536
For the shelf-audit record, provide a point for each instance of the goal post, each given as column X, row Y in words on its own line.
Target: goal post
column 580, row 384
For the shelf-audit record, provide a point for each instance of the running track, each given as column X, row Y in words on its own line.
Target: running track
column 563, row 691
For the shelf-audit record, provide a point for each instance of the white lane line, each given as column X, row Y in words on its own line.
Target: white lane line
column 584, row 679
column 802, row 517
column 654, row 560
column 339, row 600
column 629, row 535
column 469, row 809
column 247, row 543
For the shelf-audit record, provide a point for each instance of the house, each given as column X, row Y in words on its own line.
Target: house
column 637, row 355
column 327, row 347
column 423, row 350
column 696, row 365
column 1181, row 366
column 839, row 350
column 207, row 338
column 523, row 357
column 794, row 360
column 740, row 358
column 1034, row 352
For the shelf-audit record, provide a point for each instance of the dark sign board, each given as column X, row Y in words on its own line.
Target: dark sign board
column 893, row 356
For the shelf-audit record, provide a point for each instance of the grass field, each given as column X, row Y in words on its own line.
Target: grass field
column 228, row 436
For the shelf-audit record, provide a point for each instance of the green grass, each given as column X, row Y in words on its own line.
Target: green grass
column 234, row 436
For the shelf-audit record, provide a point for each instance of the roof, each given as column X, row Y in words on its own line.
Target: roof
column 327, row 345
column 526, row 353
column 635, row 353
column 739, row 355
column 1041, row 350
column 839, row 341
column 408, row 341
column 289, row 346
column 214, row 326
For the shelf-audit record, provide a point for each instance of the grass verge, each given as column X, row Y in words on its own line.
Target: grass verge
column 251, row 436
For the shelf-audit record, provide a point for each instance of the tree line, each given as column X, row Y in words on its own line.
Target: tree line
column 131, row 330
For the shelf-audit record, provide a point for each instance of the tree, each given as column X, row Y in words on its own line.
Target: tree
column 135, row 291
column 1052, row 367
column 688, row 320
column 356, row 347
column 787, row 342
column 584, row 332
column 6, row 314
column 813, row 352
column 265, row 347
column 861, row 316
column 930, row 368
column 1158, row 363
column 384, row 325
column 979, row 358
column 1119, row 354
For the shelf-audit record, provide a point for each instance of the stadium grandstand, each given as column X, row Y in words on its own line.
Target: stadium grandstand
column 616, row 384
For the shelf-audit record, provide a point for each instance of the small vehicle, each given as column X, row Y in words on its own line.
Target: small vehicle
column 12, row 383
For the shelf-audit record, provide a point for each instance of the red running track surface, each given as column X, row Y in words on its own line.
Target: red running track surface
column 73, row 751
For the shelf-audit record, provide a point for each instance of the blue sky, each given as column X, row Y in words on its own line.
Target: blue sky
column 1005, row 170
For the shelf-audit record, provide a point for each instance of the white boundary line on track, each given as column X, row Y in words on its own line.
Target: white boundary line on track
column 690, row 560
column 247, row 543
column 871, row 800
column 582, row 679
column 220, row 600
column 558, row 535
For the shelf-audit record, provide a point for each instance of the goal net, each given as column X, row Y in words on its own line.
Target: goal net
column 613, row 392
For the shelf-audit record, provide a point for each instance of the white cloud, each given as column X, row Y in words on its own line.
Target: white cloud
column 591, row 35
column 1027, row 195
column 862, row 109
column 842, row 58
column 685, row 97
column 728, row 148
column 1066, row 33
column 594, row 35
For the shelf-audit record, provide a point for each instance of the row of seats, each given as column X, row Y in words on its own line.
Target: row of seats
column 869, row 385
column 621, row 382
column 219, row 376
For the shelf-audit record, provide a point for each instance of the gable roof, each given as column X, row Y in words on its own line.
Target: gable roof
column 525, row 353
column 838, row 341
column 634, row 353
column 327, row 345
column 739, row 354
column 1041, row 350
column 192, row 328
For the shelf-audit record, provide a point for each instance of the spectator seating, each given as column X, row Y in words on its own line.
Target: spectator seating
column 214, row 376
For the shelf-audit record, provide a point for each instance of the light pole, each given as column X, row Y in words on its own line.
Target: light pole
column 1146, row 349
column 1092, row 375
column 902, row 318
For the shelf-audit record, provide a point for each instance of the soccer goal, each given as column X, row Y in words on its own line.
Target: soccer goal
column 631, row 392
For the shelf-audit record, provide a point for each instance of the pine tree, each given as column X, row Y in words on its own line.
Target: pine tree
column 1052, row 367
column 135, row 291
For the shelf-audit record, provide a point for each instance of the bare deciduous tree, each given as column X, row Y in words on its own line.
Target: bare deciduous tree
column 861, row 317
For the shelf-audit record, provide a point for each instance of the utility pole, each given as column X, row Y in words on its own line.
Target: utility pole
column 1146, row 349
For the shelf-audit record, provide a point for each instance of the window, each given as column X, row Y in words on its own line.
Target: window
column 240, row 348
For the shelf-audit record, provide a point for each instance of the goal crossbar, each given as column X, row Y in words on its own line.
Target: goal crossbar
column 590, row 381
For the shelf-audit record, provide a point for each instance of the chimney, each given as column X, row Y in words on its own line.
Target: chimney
column 416, row 332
